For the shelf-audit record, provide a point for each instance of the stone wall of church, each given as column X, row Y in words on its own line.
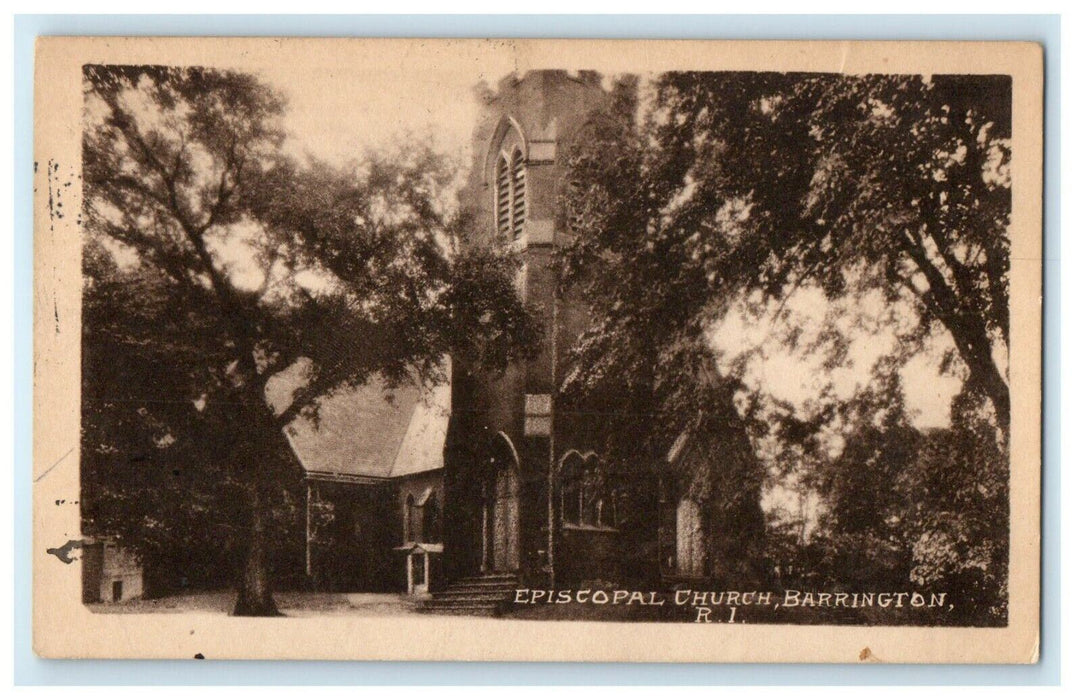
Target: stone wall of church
column 538, row 115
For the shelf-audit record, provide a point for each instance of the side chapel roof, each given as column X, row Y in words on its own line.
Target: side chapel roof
column 370, row 433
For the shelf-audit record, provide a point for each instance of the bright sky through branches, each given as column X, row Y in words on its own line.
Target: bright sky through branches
column 338, row 114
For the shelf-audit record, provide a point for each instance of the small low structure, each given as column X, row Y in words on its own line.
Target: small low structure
column 111, row 573
column 710, row 519
column 421, row 566
column 373, row 464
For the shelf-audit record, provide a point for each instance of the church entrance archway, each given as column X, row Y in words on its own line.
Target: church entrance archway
column 500, row 508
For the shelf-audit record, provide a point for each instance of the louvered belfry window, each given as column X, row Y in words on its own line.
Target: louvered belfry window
column 518, row 193
column 511, row 194
column 503, row 195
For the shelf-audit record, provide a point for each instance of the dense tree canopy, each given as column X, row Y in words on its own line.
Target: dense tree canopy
column 757, row 184
column 154, row 465
column 739, row 193
column 214, row 262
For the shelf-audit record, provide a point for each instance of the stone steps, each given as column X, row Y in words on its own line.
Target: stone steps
column 485, row 584
column 486, row 595
column 467, row 596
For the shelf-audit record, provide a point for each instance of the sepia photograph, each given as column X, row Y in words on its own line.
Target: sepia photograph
column 457, row 335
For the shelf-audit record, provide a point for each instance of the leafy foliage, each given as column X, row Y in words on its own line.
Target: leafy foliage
column 736, row 192
column 219, row 262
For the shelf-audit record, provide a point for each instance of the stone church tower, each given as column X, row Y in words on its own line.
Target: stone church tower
column 517, row 461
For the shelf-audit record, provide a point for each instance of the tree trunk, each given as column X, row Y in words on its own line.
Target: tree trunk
column 255, row 597
column 1000, row 394
column 969, row 335
column 261, row 453
column 975, row 350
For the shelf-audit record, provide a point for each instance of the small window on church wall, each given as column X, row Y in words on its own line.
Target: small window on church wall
column 520, row 281
column 605, row 510
column 407, row 517
column 571, row 500
column 430, row 520
column 585, row 497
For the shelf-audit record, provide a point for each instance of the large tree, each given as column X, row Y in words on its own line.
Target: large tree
column 251, row 263
column 742, row 193
column 154, row 457
column 743, row 185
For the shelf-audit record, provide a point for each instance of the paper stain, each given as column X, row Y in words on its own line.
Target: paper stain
column 58, row 187
column 867, row 656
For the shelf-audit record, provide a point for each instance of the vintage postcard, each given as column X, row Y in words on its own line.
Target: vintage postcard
column 537, row 350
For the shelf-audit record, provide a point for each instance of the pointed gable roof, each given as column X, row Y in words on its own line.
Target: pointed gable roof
column 370, row 433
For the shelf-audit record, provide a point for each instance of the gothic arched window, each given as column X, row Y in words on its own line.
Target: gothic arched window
column 510, row 180
column 585, row 496
column 503, row 195
column 518, row 193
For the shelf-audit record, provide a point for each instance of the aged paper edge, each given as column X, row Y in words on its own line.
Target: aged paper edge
column 64, row 628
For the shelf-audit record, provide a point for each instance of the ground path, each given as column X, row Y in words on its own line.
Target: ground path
column 291, row 603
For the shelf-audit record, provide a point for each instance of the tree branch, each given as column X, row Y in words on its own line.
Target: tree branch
column 974, row 347
column 301, row 399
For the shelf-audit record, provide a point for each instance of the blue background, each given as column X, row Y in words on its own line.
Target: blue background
column 34, row 671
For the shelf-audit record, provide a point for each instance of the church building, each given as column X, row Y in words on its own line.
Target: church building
column 525, row 490
column 499, row 483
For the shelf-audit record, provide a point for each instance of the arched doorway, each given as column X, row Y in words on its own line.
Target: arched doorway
column 500, row 540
